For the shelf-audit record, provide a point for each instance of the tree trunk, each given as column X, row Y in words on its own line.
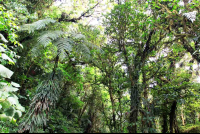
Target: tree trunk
column 134, row 110
column 113, row 103
column 194, row 116
column 164, row 126
column 176, row 126
column 182, row 116
column 199, row 117
column 172, row 116
column 134, row 77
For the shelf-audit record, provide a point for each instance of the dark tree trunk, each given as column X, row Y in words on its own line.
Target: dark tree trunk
column 113, row 103
column 164, row 126
column 134, row 109
column 173, row 116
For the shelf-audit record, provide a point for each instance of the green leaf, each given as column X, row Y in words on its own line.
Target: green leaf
column 15, row 84
column 18, row 114
column 9, row 89
column 9, row 111
column 13, row 101
column 3, row 117
column 5, row 57
column 5, row 104
column 5, row 72
column 19, row 107
column 2, row 49
column 3, row 38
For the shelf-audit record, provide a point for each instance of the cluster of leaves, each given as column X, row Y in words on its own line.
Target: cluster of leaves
column 10, row 108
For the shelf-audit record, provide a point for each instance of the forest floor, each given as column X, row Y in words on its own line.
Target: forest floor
column 191, row 128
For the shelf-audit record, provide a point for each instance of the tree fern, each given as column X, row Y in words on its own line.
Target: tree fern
column 36, row 25
column 82, row 48
column 63, row 44
column 47, row 94
column 48, row 36
column 75, row 41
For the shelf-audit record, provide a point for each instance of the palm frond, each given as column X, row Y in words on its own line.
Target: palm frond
column 36, row 25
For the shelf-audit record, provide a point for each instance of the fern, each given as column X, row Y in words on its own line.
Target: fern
column 83, row 50
column 49, row 36
column 75, row 41
column 36, row 25
column 63, row 45
column 46, row 97
column 48, row 92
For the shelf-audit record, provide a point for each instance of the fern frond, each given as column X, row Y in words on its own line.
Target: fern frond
column 49, row 36
column 83, row 50
column 36, row 25
column 35, row 51
column 80, row 44
column 67, row 44
column 78, row 36
column 46, row 97
column 64, row 44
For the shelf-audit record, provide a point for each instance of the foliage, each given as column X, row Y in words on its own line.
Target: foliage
column 134, row 69
column 190, row 128
column 10, row 108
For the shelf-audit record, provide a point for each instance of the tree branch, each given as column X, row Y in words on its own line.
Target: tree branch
column 191, row 50
column 84, row 14
column 147, row 48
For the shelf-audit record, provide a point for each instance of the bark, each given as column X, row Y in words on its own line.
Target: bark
column 81, row 113
column 112, row 102
column 90, row 125
column 134, row 109
column 134, row 91
column 144, row 116
column 173, row 116
column 120, row 108
column 75, row 20
column 182, row 117
column 199, row 117
column 165, row 125
column 91, row 119
column 192, row 51
column 176, row 126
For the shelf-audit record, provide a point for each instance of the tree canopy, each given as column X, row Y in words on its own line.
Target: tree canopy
column 99, row 66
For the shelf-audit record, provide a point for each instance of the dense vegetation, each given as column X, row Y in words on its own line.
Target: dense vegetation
column 91, row 66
